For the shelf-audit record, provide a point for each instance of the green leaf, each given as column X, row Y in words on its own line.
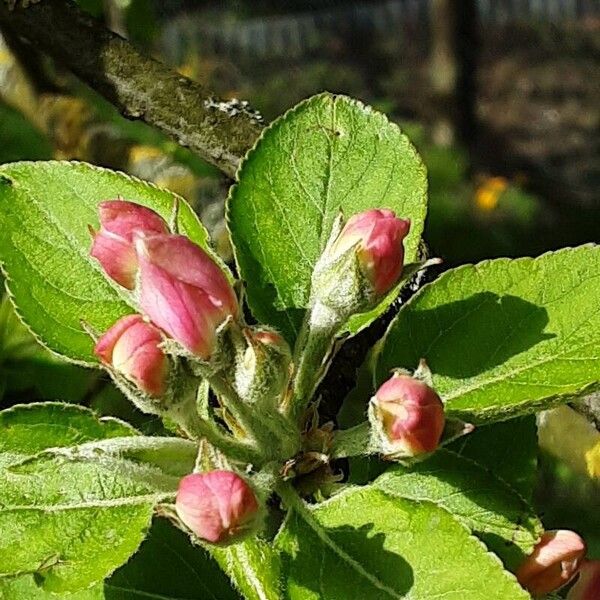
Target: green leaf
column 45, row 210
column 169, row 567
column 24, row 587
column 505, row 337
column 26, row 430
column 254, row 568
column 488, row 506
column 365, row 543
column 326, row 155
column 71, row 514
column 493, row 446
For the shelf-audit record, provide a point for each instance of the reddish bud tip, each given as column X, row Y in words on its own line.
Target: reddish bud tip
column 587, row 586
column 183, row 290
column 409, row 415
column 269, row 337
column 554, row 561
column 218, row 506
column 113, row 243
column 378, row 235
column 131, row 347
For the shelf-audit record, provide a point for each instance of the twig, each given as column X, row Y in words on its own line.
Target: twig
column 140, row 87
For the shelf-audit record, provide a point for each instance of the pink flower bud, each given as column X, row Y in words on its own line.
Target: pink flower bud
column 131, row 348
column 379, row 236
column 217, row 506
column 409, row 415
column 183, row 291
column 554, row 562
column 587, row 586
column 113, row 243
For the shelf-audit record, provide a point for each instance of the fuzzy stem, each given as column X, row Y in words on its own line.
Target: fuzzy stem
column 291, row 498
column 311, row 357
column 197, row 428
column 273, row 436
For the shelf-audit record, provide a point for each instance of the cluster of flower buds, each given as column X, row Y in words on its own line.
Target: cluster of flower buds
column 217, row 506
column 407, row 417
column 180, row 290
column 363, row 260
column 554, row 562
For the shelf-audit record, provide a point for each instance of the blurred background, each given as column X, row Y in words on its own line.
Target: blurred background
column 499, row 96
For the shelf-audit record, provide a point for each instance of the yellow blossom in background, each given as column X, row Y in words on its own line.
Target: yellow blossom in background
column 489, row 192
column 592, row 458
column 569, row 436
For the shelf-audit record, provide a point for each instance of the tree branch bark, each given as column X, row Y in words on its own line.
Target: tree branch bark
column 140, row 87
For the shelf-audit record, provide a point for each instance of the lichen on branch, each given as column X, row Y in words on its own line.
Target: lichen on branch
column 138, row 86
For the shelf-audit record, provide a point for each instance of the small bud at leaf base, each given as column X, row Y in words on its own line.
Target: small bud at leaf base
column 554, row 561
column 587, row 586
column 183, row 291
column 378, row 237
column 131, row 348
column 263, row 372
column 113, row 243
column 407, row 417
column 218, row 506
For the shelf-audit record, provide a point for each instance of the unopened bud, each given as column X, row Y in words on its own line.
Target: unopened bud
column 183, row 291
column 554, row 561
column 218, row 506
column 407, row 417
column 131, row 348
column 377, row 236
column 113, row 243
column 587, row 586
column 363, row 260
column 262, row 373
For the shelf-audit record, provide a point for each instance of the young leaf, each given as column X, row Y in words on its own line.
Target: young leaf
column 326, row 155
column 505, row 337
column 26, row 430
column 24, row 587
column 365, row 543
column 45, row 210
column 486, row 505
column 169, row 567
column 254, row 568
column 71, row 514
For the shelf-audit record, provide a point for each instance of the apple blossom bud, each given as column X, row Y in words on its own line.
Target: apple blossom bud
column 218, row 506
column 361, row 262
column 587, row 586
column 183, row 291
column 554, row 561
column 131, row 348
column 113, row 243
column 378, row 237
column 407, row 417
column 262, row 372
